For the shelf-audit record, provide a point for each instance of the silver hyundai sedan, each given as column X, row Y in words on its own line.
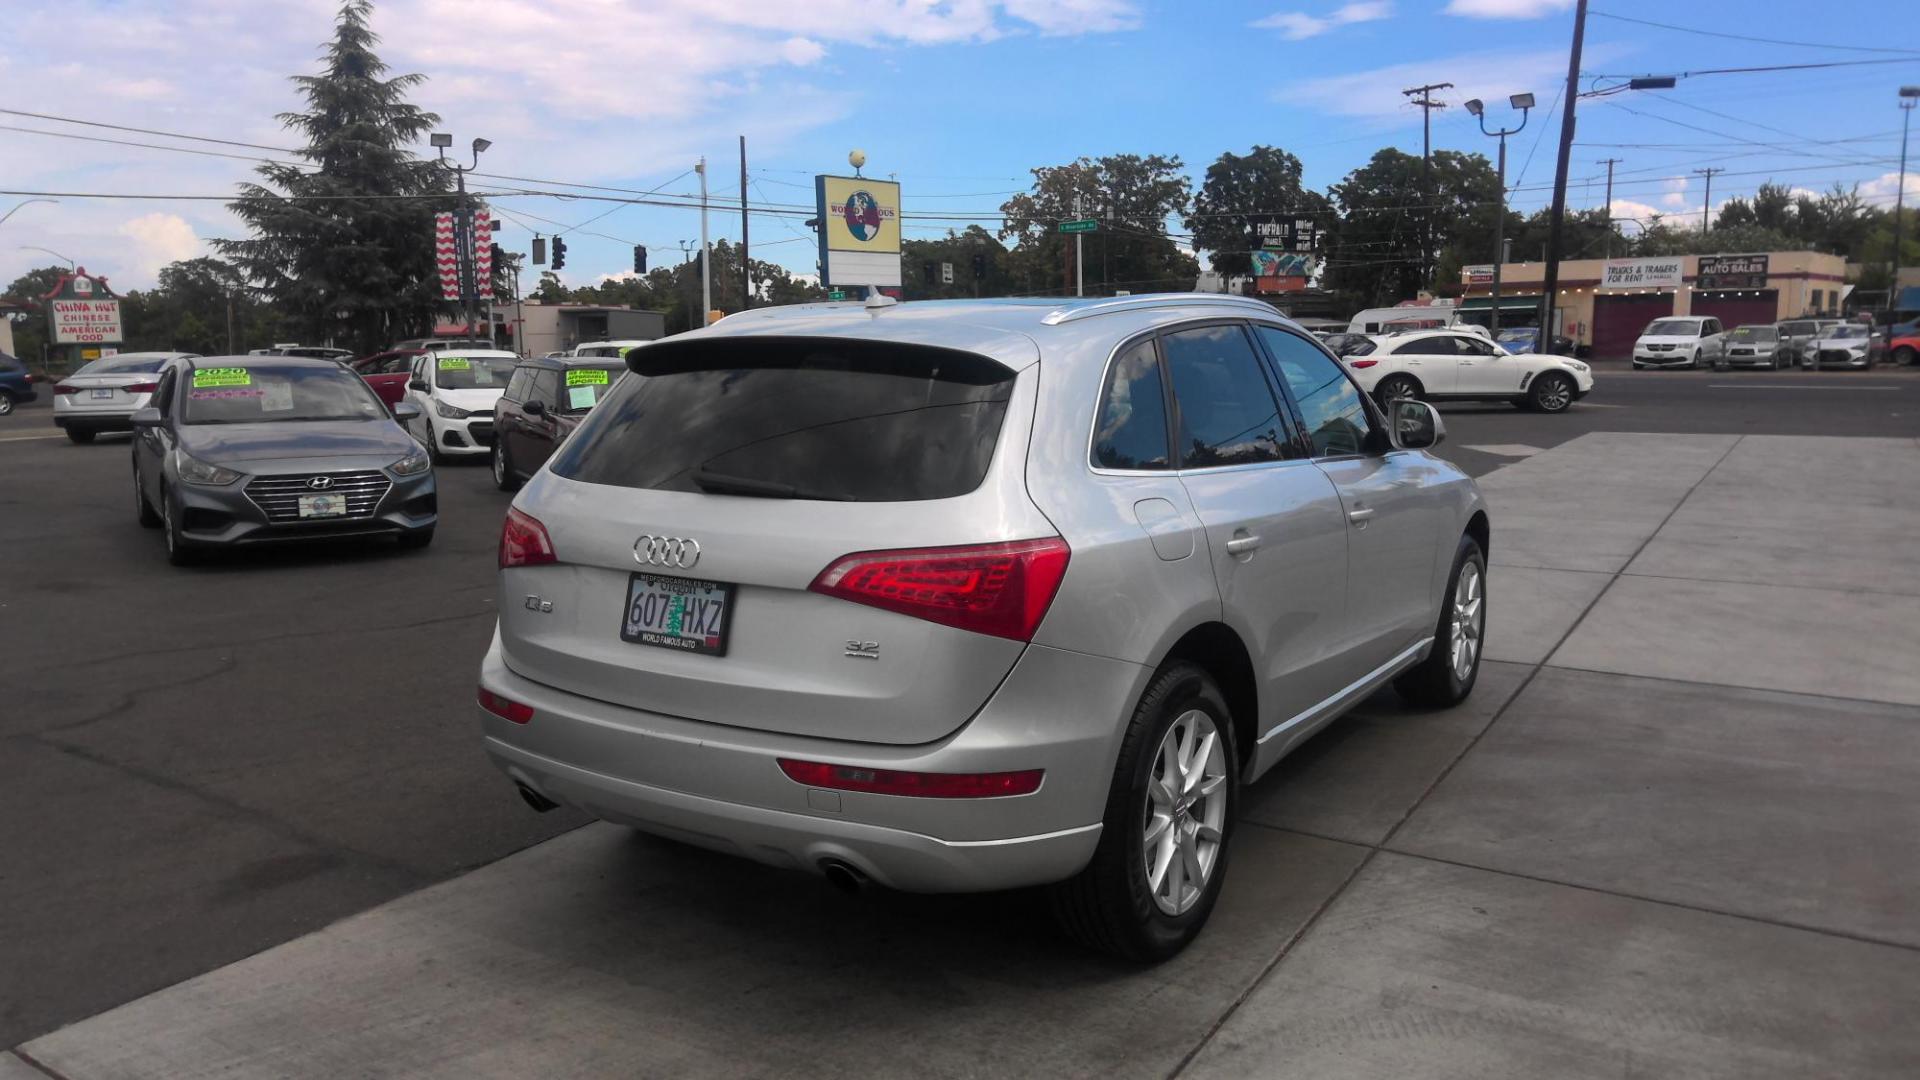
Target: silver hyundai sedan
column 969, row 595
column 261, row 449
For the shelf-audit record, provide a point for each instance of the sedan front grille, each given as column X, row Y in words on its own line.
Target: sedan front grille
column 279, row 496
column 1837, row 356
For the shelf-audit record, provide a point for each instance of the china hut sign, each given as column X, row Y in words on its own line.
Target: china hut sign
column 83, row 311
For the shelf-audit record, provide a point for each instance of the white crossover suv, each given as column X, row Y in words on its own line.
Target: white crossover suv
column 970, row 595
column 1441, row 365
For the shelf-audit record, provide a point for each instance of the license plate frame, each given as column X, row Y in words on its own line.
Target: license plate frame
column 101, row 393
column 328, row 505
column 716, row 628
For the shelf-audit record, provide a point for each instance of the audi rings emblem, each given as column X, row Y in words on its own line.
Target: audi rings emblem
column 319, row 483
column 670, row 551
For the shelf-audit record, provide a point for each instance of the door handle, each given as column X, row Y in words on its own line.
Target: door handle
column 1242, row 545
column 1360, row 516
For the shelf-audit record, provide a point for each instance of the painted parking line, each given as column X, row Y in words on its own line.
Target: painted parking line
column 1794, row 386
column 28, row 438
column 1512, row 450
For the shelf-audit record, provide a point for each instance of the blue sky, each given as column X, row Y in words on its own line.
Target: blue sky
column 958, row 98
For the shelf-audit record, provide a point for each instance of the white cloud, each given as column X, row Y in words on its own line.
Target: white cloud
column 158, row 239
column 1298, row 26
column 1505, row 9
column 1676, row 191
column 1638, row 212
column 800, row 51
column 1490, row 76
column 1880, row 189
column 1058, row 17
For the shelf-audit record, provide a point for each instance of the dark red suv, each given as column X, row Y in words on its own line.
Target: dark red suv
column 544, row 401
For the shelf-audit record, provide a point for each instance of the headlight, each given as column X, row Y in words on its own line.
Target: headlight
column 450, row 412
column 412, row 465
column 194, row 471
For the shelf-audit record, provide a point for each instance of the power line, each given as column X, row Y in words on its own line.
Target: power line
column 1744, row 37
column 1744, row 70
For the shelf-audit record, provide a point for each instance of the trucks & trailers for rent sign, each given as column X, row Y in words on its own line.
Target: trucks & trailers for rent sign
column 1656, row 273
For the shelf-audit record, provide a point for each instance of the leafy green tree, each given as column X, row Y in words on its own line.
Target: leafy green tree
column 921, row 259
column 30, row 321
column 1132, row 196
column 1243, row 191
column 1385, row 208
column 345, row 245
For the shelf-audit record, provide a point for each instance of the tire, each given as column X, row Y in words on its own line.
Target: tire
column 1438, row 681
column 502, row 466
column 179, row 552
column 1551, row 393
column 417, row 539
column 143, row 509
column 6, row 404
column 1395, row 387
column 1905, row 357
column 80, row 435
column 1695, row 365
column 1114, row 905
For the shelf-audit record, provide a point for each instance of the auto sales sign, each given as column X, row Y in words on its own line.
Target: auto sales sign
column 81, row 310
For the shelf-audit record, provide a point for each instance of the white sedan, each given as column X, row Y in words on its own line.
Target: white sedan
column 1451, row 365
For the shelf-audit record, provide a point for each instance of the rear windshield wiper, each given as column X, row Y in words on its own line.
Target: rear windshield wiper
column 716, row 483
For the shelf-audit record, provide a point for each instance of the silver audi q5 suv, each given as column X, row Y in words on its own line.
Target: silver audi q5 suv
column 963, row 595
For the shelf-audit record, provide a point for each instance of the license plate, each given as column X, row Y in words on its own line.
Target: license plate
column 103, row 394
column 677, row 613
column 318, row 506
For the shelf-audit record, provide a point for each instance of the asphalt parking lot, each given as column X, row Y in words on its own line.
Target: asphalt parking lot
column 1675, row 831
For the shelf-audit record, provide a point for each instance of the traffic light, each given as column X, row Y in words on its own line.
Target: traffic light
column 979, row 265
column 639, row 258
column 539, row 250
column 559, row 253
column 928, row 268
column 499, row 257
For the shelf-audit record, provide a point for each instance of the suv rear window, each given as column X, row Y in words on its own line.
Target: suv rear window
column 858, row 421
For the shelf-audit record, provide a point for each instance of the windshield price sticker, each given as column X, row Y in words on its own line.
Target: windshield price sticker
column 580, row 397
column 221, row 376
column 454, row 363
column 588, row 377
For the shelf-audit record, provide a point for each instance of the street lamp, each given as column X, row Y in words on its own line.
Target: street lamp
column 464, row 238
column 18, row 205
column 1523, row 102
column 1909, row 96
column 29, row 247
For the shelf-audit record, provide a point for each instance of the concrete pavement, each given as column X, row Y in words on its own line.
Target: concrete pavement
column 1675, row 831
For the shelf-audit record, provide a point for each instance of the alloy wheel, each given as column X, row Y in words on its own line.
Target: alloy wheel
column 1185, row 812
column 1469, row 620
column 1556, row 395
column 499, row 464
column 6, row 405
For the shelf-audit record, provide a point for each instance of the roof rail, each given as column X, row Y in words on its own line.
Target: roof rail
column 1076, row 312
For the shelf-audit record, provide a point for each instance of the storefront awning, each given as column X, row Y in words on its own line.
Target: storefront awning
column 1507, row 303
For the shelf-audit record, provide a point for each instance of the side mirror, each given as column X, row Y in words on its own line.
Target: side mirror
column 148, row 417
column 405, row 411
column 1415, row 425
column 535, row 407
column 417, row 384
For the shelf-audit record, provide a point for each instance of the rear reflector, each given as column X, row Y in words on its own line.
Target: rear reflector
column 523, row 541
column 1362, row 363
column 505, row 708
column 998, row 589
column 915, row 784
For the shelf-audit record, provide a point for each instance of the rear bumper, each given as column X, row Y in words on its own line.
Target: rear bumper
column 722, row 787
column 83, row 421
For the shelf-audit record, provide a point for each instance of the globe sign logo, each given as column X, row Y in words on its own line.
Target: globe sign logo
column 862, row 213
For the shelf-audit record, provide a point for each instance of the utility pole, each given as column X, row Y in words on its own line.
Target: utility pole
column 231, row 351
column 746, row 264
column 706, row 276
column 1079, row 263
column 1609, row 163
column 1706, row 205
column 1427, row 105
column 1552, row 283
column 686, row 246
column 1909, row 95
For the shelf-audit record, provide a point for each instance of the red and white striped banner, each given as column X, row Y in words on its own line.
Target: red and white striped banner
column 446, row 252
column 483, row 254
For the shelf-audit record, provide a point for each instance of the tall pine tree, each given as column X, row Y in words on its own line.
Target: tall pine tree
column 344, row 245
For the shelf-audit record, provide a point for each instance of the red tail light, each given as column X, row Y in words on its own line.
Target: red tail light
column 505, row 708
column 997, row 589
column 63, row 388
column 524, row 542
column 1362, row 363
column 916, row 784
column 142, row 388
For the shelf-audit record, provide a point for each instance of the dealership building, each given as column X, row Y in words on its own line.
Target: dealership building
column 1604, row 304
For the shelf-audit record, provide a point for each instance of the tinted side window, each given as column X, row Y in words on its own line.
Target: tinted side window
column 163, row 394
column 545, row 388
column 1228, row 415
column 1424, row 347
column 1131, row 431
column 1473, row 346
column 1330, row 404
column 517, row 386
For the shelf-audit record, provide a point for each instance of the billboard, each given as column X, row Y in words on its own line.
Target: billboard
column 1731, row 272
column 1662, row 272
column 1478, row 274
column 859, row 230
column 81, row 310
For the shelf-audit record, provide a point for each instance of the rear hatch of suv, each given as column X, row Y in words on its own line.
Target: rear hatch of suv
column 694, row 518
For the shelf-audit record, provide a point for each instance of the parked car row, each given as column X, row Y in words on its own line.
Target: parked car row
column 1697, row 341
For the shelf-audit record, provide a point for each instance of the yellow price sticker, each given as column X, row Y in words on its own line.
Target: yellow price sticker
column 454, row 363
column 589, row 377
column 204, row 378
